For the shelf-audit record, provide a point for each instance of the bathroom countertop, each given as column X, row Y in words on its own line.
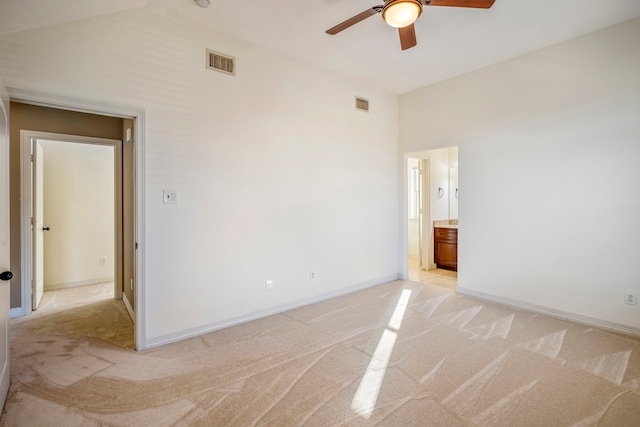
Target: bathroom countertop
column 445, row 223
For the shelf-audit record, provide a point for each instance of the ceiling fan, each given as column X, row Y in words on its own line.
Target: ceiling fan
column 401, row 14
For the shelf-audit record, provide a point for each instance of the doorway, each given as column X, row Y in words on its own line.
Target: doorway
column 84, row 217
column 53, row 113
column 419, row 212
column 431, row 190
column 74, row 215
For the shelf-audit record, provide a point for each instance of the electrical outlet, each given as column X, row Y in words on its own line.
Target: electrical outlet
column 268, row 285
column 103, row 261
column 170, row 196
column 630, row 298
column 312, row 275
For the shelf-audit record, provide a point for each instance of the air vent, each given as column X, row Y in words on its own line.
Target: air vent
column 222, row 63
column 362, row 104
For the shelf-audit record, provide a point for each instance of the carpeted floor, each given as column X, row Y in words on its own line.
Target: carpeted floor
column 399, row 354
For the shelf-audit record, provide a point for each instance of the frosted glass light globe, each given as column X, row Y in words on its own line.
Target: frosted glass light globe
column 400, row 13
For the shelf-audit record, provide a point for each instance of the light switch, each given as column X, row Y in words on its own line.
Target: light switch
column 169, row 196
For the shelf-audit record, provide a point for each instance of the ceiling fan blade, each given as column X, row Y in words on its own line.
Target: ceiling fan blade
column 354, row 20
column 479, row 4
column 407, row 37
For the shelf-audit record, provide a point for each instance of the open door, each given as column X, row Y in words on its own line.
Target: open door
column 38, row 227
column 5, row 274
column 425, row 214
column 421, row 248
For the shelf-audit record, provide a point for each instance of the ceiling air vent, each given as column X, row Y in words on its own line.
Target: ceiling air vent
column 222, row 63
column 362, row 104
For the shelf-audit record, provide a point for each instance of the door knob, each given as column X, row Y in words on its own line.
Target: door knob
column 46, row 228
column 6, row 275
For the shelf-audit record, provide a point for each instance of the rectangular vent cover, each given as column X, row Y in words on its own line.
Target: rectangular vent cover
column 362, row 104
column 222, row 63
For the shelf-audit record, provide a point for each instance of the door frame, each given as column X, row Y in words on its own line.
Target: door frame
column 426, row 241
column 426, row 249
column 138, row 115
column 27, row 138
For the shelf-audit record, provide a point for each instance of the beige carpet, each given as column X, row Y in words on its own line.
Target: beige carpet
column 399, row 354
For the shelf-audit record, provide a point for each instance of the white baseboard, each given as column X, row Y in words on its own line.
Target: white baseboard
column 78, row 283
column 127, row 305
column 558, row 314
column 189, row 333
column 16, row 312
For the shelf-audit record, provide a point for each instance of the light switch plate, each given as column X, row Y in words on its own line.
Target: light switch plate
column 170, row 196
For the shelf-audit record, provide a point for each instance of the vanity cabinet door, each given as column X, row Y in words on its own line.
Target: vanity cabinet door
column 446, row 248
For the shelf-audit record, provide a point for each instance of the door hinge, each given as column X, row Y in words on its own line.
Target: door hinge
column 32, row 158
column 136, row 245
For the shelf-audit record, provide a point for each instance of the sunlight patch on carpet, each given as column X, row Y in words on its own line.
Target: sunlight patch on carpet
column 364, row 401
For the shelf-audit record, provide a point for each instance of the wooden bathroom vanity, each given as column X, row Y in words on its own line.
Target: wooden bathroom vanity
column 445, row 252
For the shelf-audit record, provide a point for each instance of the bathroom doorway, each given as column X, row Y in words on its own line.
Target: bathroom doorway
column 432, row 195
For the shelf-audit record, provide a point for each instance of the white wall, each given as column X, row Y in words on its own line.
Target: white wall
column 548, row 150
column 278, row 174
column 79, row 209
column 439, row 174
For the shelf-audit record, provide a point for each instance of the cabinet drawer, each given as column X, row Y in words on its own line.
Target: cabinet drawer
column 446, row 234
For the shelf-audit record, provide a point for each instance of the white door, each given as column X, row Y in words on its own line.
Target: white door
column 5, row 275
column 425, row 214
column 421, row 248
column 38, row 224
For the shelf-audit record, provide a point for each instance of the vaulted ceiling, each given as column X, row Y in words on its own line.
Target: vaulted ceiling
column 451, row 41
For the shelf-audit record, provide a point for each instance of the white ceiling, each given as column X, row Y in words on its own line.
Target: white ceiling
column 451, row 41
column 18, row 15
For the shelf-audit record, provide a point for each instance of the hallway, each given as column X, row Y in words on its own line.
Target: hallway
column 85, row 311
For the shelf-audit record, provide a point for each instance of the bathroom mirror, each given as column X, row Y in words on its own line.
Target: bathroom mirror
column 453, row 192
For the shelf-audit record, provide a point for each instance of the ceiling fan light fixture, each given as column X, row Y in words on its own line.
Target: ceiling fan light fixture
column 401, row 13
